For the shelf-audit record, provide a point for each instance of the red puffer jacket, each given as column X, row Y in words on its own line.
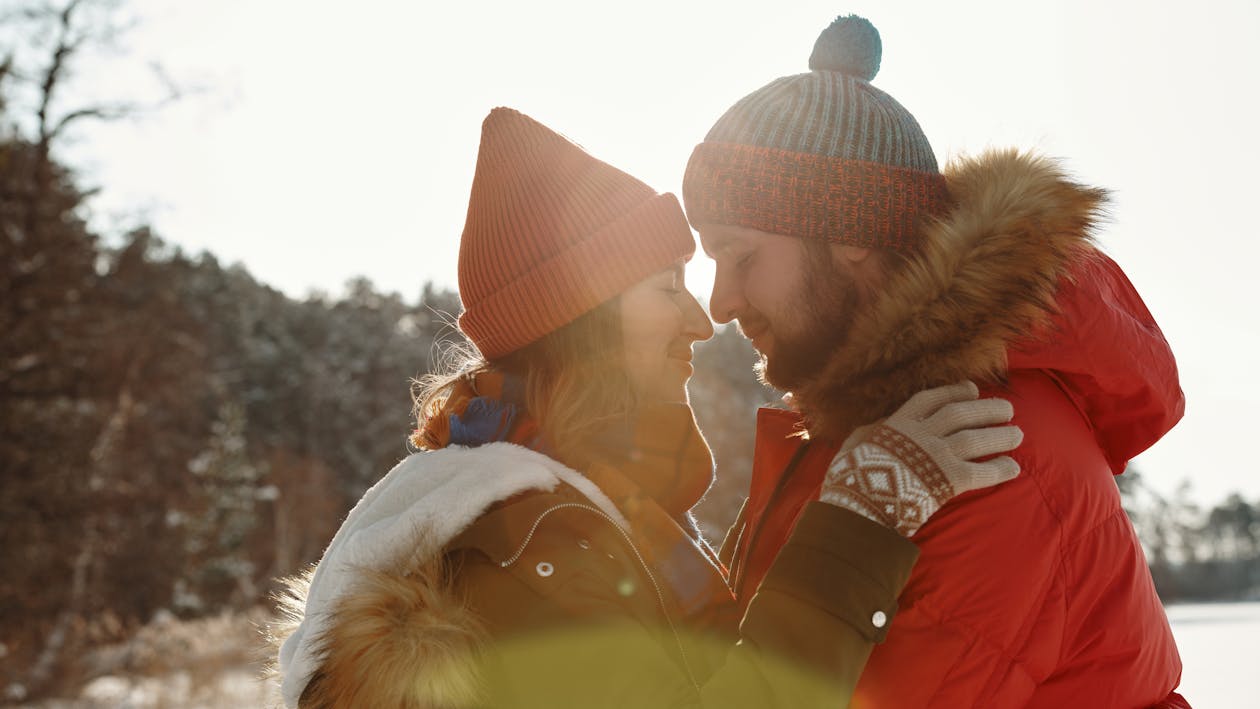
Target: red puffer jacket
column 1035, row 593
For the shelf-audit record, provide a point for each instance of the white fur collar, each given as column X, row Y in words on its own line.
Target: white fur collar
column 407, row 518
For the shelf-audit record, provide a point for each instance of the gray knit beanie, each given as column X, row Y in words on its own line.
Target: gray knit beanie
column 820, row 155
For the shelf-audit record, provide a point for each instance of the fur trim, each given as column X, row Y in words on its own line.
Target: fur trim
column 985, row 277
column 415, row 637
column 289, row 603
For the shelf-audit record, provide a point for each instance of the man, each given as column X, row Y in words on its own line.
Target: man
column 861, row 274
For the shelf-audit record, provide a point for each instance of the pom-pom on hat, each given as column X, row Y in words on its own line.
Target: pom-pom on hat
column 552, row 232
column 821, row 155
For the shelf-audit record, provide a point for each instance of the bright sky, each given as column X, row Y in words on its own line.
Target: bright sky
column 332, row 144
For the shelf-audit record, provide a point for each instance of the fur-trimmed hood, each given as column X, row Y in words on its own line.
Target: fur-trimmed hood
column 399, row 530
column 1008, row 279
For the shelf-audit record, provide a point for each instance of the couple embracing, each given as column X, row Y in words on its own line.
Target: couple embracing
column 931, row 519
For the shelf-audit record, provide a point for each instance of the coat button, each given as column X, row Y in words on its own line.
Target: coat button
column 544, row 569
column 879, row 620
column 584, row 543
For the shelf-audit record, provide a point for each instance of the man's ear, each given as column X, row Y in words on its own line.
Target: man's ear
column 861, row 262
column 851, row 255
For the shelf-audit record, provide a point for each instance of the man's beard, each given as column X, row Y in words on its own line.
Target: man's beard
column 826, row 307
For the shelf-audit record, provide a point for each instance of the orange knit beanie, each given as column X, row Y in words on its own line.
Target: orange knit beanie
column 553, row 232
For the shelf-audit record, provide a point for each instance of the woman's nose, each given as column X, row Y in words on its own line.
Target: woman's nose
column 697, row 324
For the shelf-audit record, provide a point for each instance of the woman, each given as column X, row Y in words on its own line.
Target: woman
column 539, row 552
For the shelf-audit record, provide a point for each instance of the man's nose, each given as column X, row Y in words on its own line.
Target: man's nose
column 727, row 298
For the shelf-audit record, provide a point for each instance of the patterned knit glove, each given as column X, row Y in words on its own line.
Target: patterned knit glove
column 899, row 472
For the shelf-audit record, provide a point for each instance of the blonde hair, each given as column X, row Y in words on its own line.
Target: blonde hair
column 575, row 381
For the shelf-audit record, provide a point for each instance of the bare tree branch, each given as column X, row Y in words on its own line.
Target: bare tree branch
column 173, row 90
column 102, row 113
column 71, row 40
column 64, row 50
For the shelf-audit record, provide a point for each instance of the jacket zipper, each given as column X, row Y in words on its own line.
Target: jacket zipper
column 660, row 596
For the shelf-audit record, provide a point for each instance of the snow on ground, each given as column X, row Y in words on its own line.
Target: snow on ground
column 208, row 663
column 232, row 689
column 1220, row 653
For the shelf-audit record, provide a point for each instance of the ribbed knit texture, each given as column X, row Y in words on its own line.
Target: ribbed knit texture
column 553, row 232
column 829, row 114
column 820, row 155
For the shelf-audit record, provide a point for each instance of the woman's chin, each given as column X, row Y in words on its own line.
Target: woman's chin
column 678, row 395
column 674, row 393
column 667, row 385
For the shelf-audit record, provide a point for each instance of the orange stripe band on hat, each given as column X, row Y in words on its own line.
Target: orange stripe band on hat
column 811, row 196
